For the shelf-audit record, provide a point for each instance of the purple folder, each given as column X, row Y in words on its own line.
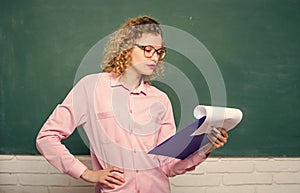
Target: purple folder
column 182, row 144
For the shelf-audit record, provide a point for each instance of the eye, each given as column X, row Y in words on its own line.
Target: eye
column 161, row 51
column 148, row 48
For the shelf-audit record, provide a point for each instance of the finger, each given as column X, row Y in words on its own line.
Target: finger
column 116, row 169
column 224, row 133
column 216, row 130
column 219, row 143
column 114, row 180
column 211, row 138
column 222, row 139
column 117, row 177
column 108, row 184
column 217, row 137
column 215, row 142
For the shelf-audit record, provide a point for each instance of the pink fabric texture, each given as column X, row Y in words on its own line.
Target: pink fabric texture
column 121, row 126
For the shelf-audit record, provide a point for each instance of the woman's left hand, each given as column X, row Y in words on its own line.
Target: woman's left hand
column 218, row 139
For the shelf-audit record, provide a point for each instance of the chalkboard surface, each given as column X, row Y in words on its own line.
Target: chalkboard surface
column 254, row 43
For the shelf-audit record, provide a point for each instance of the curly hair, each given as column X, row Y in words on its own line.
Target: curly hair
column 117, row 56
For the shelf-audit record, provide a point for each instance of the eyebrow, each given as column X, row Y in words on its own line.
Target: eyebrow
column 145, row 45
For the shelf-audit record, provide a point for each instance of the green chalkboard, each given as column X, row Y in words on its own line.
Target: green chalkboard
column 255, row 45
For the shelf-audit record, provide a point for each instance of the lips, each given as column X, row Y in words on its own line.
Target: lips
column 151, row 66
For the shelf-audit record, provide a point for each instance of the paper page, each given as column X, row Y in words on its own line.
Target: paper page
column 216, row 117
column 196, row 135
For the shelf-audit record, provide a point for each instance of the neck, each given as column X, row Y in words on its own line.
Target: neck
column 131, row 81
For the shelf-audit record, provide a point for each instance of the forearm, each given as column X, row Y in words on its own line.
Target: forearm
column 173, row 167
column 59, row 126
column 59, row 156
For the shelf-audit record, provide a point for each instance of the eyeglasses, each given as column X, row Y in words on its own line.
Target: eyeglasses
column 150, row 50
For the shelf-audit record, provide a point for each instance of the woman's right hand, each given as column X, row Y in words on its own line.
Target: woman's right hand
column 108, row 177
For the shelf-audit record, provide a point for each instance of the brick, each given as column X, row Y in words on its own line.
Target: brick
column 212, row 159
column 260, row 159
column 230, row 167
column 24, row 173
column 277, row 166
column 79, row 182
column 34, row 189
column 196, row 180
column 287, row 178
column 278, row 189
column 52, row 170
column 18, row 166
column 175, row 189
column 71, row 190
column 43, row 179
column 8, row 179
column 199, row 170
column 6, row 157
column 9, row 189
column 30, row 158
column 219, row 189
column 247, row 179
column 231, row 189
column 245, row 159
column 23, row 189
column 287, row 158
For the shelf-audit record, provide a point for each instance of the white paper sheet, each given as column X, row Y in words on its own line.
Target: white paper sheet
column 216, row 117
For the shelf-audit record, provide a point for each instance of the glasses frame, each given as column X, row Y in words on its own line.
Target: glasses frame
column 158, row 51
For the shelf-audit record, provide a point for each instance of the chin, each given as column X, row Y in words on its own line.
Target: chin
column 148, row 73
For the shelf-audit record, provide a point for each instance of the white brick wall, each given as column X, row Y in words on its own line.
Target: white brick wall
column 32, row 174
column 241, row 175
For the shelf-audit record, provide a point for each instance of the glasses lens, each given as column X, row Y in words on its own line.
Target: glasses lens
column 162, row 54
column 149, row 51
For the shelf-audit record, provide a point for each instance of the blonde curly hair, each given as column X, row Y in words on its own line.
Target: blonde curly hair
column 117, row 56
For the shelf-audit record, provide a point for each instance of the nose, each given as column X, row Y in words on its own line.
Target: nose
column 155, row 57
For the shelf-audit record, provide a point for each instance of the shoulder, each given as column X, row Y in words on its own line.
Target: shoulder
column 88, row 78
column 89, row 82
column 93, row 78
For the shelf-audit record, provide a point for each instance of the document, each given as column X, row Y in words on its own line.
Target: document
column 195, row 136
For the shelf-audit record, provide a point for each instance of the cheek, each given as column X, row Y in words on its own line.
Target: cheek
column 136, row 58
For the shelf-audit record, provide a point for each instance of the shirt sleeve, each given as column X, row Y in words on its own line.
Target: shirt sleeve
column 60, row 125
column 172, row 166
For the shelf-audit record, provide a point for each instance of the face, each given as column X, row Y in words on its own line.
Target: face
column 141, row 64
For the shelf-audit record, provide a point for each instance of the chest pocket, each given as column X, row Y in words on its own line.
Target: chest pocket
column 107, row 127
column 105, row 115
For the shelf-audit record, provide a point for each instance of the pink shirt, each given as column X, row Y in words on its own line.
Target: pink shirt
column 122, row 126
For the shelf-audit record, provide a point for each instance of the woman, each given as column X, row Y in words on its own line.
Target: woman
column 123, row 116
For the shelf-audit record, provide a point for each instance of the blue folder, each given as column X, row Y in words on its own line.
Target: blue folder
column 182, row 144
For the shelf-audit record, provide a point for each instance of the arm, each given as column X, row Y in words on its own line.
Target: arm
column 60, row 125
column 172, row 166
